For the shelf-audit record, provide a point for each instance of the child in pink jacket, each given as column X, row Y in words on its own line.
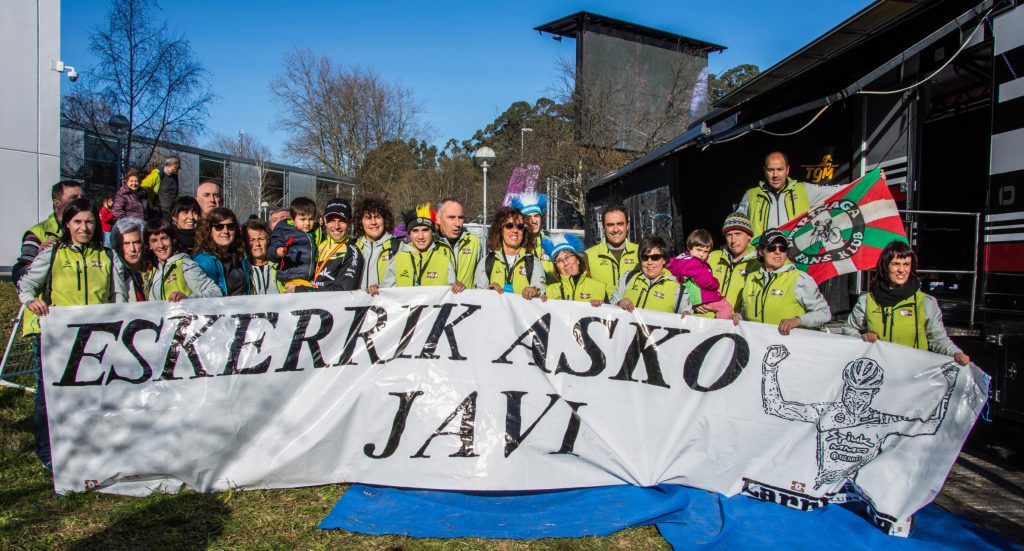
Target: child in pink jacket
column 693, row 271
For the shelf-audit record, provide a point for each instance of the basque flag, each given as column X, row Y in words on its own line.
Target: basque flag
column 848, row 231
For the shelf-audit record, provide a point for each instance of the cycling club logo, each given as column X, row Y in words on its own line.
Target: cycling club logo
column 850, row 432
column 828, row 233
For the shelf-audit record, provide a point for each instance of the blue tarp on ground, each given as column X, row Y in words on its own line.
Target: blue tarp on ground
column 687, row 518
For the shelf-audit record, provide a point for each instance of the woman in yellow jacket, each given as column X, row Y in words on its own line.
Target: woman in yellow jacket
column 896, row 310
column 510, row 265
column 651, row 286
column 573, row 279
column 75, row 271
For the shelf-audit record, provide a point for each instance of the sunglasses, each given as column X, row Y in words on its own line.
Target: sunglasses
column 229, row 226
column 777, row 248
column 652, row 257
column 520, row 226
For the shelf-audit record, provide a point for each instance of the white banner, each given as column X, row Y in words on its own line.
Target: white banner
column 479, row 391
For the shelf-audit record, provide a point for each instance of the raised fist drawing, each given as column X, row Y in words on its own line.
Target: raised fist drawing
column 776, row 353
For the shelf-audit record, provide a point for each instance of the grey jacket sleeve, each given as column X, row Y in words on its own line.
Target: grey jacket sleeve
column 856, row 322
column 817, row 193
column 743, row 206
column 808, row 295
column 482, row 280
column 34, row 280
column 938, row 341
column 389, row 277
column 452, row 276
column 537, row 277
column 620, row 290
column 197, row 280
column 117, row 275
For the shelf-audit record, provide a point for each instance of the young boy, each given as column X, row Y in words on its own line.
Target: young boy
column 695, row 273
column 293, row 244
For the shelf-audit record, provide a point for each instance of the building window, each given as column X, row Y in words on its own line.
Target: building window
column 211, row 170
column 273, row 188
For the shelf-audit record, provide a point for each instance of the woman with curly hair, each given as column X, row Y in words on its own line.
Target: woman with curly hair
column 374, row 221
column 510, row 265
column 220, row 252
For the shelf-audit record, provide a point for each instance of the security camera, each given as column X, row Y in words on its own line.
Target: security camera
column 72, row 74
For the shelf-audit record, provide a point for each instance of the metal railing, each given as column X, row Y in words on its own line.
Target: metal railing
column 977, row 240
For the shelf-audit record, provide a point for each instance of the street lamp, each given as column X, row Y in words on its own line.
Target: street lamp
column 484, row 158
column 119, row 125
column 522, row 141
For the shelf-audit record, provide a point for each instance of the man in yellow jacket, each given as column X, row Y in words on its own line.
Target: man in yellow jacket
column 616, row 255
column 778, row 198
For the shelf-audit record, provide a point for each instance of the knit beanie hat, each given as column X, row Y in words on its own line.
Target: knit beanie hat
column 737, row 221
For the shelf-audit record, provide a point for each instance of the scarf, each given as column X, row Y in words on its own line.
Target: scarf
column 888, row 296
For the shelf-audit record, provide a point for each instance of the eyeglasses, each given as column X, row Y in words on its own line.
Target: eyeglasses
column 652, row 257
column 520, row 226
column 565, row 259
column 777, row 248
column 228, row 226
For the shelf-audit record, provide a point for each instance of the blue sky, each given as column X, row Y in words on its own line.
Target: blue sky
column 465, row 62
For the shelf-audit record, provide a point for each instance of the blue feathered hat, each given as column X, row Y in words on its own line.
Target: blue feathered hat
column 530, row 202
column 560, row 242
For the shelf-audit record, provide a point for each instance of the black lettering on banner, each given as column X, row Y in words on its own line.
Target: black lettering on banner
column 514, row 419
column 405, row 400
column 291, row 359
column 538, row 347
column 238, row 343
column 586, row 342
column 695, row 360
column 649, row 351
column 85, row 330
column 441, row 325
column 128, row 340
column 415, row 311
column 465, row 433
column 179, row 342
column 572, row 430
column 366, row 336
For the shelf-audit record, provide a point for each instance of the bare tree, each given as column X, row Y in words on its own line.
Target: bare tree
column 336, row 115
column 146, row 73
column 252, row 185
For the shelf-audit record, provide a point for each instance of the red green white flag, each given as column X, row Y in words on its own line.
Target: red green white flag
column 848, row 231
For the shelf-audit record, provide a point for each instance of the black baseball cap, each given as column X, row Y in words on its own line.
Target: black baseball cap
column 338, row 207
column 773, row 236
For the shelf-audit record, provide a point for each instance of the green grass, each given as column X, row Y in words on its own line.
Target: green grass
column 32, row 517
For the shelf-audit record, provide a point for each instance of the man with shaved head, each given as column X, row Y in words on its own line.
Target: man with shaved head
column 778, row 198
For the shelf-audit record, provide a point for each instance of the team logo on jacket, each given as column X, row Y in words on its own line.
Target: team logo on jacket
column 906, row 313
column 545, row 258
column 431, row 275
column 170, row 278
column 405, row 273
column 522, row 270
column 628, row 261
column 97, row 264
column 584, row 295
column 467, row 250
column 659, row 294
column 777, row 292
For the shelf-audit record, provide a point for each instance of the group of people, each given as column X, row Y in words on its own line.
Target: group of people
column 166, row 246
